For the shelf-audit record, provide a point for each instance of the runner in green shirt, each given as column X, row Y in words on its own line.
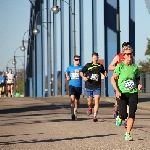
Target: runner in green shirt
column 126, row 88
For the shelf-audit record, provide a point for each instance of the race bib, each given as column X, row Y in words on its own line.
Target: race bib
column 94, row 77
column 129, row 84
column 75, row 75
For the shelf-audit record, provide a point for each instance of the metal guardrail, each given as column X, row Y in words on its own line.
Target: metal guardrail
column 145, row 81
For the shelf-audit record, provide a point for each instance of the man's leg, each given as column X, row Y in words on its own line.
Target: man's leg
column 89, row 94
column 72, row 105
column 78, row 91
column 96, row 94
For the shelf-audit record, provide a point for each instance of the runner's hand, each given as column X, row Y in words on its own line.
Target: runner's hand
column 118, row 94
column 85, row 78
column 68, row 78
column 139, row 86
column 105, row 74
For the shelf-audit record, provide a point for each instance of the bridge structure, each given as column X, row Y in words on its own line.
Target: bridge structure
column 47, row 33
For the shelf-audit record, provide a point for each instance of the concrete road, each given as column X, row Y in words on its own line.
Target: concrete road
column 45, row 124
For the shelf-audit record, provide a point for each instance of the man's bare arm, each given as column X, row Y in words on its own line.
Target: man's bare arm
column 112, row 66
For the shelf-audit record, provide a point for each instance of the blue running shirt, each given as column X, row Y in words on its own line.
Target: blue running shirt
column 74, row 74
column 2, row 79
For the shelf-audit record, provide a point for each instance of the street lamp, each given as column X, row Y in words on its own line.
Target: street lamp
column 49, row 53
column 55, row 9
column 8, row 66
column 23, row 48
column 14, row 63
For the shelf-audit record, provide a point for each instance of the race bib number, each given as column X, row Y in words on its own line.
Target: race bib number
column 129, row 84
column 75, row 75
column 94, row 77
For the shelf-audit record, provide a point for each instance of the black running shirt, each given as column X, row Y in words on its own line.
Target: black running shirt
column 93, row 73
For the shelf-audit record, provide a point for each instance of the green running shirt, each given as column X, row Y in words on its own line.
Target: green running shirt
column 127, row 77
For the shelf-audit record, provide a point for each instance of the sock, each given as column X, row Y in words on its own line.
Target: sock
column 90, row 107
column 11, row 92
column 95, row 114
column 127, row 132
column 75, row 110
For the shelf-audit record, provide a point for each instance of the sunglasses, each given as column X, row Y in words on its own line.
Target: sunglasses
column 77, row 59
column 128, row 54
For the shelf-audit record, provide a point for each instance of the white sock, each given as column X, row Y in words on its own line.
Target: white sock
column 11, row 92
column 95, row 114
column 75, row 110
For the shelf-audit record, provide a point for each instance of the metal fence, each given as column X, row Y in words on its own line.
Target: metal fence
column 145, row 81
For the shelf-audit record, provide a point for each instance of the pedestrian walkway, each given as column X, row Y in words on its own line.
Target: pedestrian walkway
column 45, row 124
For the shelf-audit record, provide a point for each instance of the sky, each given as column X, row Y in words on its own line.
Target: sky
column 14, row 22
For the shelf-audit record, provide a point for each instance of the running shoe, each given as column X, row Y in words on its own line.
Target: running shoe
column 118, row 121
column 89, row 111
column 128, row 137
column 95, row 119
column 73, row 116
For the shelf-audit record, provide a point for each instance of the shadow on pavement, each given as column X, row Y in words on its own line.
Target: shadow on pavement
column 53, row 140
column 32, row 108
column 47, row 107
column 144, row 99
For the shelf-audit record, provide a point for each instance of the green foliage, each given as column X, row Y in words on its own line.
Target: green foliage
column 144, row 66
column 147, row 52
column 20, row 81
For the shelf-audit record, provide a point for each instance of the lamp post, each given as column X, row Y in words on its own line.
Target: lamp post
column 7, row 65
column 23, row 48
column 49, row 44
column 57, row 9
column 19, row 76
column 14, row 61
column 72, row 45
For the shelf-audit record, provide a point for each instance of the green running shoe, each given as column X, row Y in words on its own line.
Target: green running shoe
column 128, row 137
column 118, row 121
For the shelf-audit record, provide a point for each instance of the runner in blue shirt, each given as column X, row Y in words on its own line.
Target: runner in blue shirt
column 2, row 83
column 75, row 84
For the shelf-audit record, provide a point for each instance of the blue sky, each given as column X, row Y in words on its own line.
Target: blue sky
column 14, row 22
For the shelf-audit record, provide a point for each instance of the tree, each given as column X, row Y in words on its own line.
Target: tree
column 147, row 52
column 144, row 66
column 20, row 81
